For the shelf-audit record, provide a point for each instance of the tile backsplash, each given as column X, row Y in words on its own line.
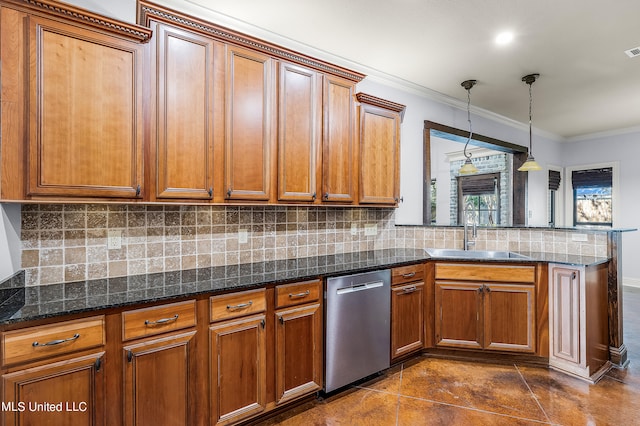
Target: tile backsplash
column 66, row 243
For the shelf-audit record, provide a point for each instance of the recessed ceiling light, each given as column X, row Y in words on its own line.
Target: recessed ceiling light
column 504, row 38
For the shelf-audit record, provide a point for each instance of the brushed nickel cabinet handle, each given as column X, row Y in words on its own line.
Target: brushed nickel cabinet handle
column 161, row 321
column 240, row 306
column 409, row 290
column 409, row 275
column 299, row 295
column 56, row 342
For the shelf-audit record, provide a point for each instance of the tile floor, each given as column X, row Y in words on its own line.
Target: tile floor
column 428, row 391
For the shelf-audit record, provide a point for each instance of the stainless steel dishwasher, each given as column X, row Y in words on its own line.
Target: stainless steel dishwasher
column 357, row 337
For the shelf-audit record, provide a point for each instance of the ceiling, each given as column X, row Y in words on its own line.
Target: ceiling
column 587, row 83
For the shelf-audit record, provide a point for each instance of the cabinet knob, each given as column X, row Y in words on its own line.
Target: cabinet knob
column 574, row 275
column 326, row 196
column 313, row 197
column 229, row 193
column 210, row 192
column 138, row 190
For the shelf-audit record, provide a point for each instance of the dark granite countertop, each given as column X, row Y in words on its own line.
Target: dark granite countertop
column 19, row 303
column 526, row 257
column 68, row 298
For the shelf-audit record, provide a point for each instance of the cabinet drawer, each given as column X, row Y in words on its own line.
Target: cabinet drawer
column 236, row 305
column 158, row 319
column 406, row 274
column 477, row 272
column 45, row 341
column 297, row 293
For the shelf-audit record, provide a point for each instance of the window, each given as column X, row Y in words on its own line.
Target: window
column 592, row 200
column 479, row 199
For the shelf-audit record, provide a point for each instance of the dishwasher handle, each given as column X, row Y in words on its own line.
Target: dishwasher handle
column 360, row 287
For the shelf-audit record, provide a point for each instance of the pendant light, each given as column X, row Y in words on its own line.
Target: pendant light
column 530, row 165
column 468, row 168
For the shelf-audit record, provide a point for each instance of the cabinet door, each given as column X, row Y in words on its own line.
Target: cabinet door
column 238, row 369
column 248, row 128
column 158, row 373
column 379, row 155
column 299, row 118
column 185, row 84
column 338, row 157
column 298, row 352
column 459, row 313
column 407, row 319
column 565, row 315
column 509, row 317
column 85, row 112
column 76, row 386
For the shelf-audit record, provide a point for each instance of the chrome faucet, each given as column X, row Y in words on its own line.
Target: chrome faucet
column 474, row 231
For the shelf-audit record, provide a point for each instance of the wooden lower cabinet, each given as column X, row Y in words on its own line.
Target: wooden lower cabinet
column 490, row 316
column 238, row 369
column 407, row 319
column 298, row 352
column 76, row 386
column 159, row 373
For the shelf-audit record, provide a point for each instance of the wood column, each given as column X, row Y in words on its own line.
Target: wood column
column 617, row 349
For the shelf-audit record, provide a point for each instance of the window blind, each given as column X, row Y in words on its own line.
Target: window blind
column 592, row 178
column 478, row 184
column 554, row 180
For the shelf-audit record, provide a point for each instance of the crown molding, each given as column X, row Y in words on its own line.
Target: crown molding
column 605, row 134
column 148, row 11
column 68, row 12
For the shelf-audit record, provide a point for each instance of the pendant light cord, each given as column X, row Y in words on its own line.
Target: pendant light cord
column 468, row 120
column 530, row 133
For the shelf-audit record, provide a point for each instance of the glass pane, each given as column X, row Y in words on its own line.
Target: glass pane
column 593, row 205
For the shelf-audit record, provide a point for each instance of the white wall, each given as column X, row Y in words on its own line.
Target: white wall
column 625, row 149
column 10, row 246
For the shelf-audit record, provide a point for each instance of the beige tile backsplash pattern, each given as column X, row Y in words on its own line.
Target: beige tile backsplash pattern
column 66, row 243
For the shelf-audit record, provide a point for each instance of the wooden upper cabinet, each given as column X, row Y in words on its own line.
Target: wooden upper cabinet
column 85, row 112
column 379, row 134
column 338, row 140
column 248, row 127
column 184, row 86
column 299, row 118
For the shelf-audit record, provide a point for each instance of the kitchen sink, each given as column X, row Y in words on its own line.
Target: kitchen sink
column 473, row 254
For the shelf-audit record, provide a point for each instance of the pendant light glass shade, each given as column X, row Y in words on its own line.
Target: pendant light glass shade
column 468, row 168
column 531, row 164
